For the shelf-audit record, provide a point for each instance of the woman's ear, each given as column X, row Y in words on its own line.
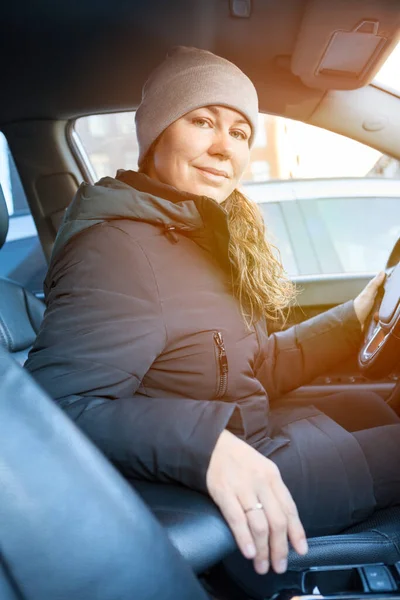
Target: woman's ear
column 147, row 163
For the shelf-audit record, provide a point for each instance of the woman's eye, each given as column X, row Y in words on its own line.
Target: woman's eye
column 200, row 122
column 239, row 135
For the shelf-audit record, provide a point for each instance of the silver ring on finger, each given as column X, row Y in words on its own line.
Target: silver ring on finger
column 257, row 506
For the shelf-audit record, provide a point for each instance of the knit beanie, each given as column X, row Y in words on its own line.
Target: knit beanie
column 190, row 78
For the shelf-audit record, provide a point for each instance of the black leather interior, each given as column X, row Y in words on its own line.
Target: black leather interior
column 20, row 316
column 70, row 525
column 374, row 541
column 7, row 585
column 3, row 219
column 192, row 521
column 200, row 533
column 20, row 311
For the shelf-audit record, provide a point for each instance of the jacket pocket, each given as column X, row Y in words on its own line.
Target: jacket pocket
column 222, row 365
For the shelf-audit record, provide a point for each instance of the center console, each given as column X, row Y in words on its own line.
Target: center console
column 377, row 581
column 345, row 583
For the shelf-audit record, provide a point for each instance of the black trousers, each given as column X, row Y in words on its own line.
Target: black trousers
column 341, row 464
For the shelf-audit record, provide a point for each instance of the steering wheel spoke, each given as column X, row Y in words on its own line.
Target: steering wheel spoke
column 380, row 352
column 372, row 346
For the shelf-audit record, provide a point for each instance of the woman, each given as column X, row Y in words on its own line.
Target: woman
column 154, row 337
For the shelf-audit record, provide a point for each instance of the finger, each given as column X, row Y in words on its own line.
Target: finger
column 378, row 279
column 278, row 530
column 232, row 510
column 381, row 275
column 258, row 526
column 296, row 532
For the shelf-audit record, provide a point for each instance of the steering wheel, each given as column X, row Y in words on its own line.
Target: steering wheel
column 380, row 352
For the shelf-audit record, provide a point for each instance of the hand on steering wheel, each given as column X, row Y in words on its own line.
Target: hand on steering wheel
column 365, row 301
column 380, row 352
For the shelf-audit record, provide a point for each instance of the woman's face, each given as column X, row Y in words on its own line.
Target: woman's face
column 205, row 152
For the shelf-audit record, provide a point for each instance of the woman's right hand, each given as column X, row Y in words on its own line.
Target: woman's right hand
column 238, row 478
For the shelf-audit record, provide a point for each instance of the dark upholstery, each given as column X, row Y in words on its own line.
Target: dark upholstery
column 374, row 541
column 20, row 316
column 193, row 522
column 198, row 530
column 20, row 311
column 70, row 525
column 7, row 585
column 3, row 219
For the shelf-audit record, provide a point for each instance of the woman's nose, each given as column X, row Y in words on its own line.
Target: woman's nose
column 222, row 145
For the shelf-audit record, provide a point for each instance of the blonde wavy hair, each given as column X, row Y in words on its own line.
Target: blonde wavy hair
column 259, row 281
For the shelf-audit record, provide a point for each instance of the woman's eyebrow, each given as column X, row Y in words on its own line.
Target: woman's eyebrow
column 242, row 121
column 238, row 121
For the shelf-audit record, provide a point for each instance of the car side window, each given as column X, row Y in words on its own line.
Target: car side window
column 362, row 231
column 293, row 174
column 22, row 258
column 278, row 234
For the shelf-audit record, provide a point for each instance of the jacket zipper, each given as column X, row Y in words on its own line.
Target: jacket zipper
column 222, row 365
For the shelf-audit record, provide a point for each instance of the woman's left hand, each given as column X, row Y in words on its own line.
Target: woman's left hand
column 365, row 300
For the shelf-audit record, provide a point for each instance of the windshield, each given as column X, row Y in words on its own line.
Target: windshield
column 389, row 75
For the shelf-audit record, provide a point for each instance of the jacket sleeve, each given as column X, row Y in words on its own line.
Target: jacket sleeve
column 102, row 331
column 294, row 357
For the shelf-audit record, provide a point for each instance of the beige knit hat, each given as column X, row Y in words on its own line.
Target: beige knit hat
column 187, row 79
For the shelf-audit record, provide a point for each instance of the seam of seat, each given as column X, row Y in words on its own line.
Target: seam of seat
column 388, row 538
column 184, row 512
column 349, row 542
column 343, row 538
column 7, row 335
column 3, row 339
column 27, row 310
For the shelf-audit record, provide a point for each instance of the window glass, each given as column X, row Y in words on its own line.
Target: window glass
column 389, row 74
column 363, row 230
column 278, row 235
column 260, row 140
column 259, row 170
column 109, row 142
column 21, row 258
column 284, row 150
column 285, row 154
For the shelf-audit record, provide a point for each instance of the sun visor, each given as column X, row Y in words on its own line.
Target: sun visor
column 342, row 43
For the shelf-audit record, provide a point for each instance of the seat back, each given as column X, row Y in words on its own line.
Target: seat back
column 20, row 311
column 70, row 525
column 7, row 585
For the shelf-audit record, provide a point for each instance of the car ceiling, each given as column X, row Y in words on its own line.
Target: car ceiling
column 61, row 60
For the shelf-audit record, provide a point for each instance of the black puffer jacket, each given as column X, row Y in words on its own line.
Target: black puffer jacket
column 143, row 344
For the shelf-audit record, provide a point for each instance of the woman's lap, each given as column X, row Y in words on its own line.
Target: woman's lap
column 358, row 411
column 381, row 448
column 339, row 468
column 354, row 411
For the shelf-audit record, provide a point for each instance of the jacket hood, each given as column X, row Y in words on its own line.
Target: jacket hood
column 136, row 196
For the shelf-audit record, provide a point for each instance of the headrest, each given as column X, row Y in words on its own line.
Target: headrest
column 3, row 219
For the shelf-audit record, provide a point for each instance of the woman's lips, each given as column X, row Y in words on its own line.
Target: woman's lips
column 213, row 174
